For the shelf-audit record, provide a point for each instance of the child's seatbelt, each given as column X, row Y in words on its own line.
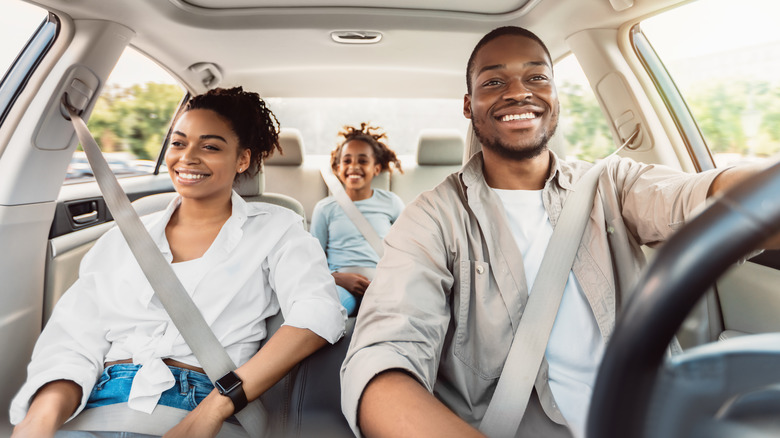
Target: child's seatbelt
column 352, row 212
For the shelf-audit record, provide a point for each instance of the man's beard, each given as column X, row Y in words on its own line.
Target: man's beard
column 506, row 151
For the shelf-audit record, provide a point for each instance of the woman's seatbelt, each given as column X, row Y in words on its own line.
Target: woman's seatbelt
column 352, row 212
column 174, row 298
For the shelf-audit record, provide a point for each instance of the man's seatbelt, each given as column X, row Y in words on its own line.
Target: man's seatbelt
column 513, row 390
column 169, row 290
column 352, row 212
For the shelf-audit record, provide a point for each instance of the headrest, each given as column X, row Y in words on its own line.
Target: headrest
column 472, row 144
column 440, row 148
column 251, row 186
column 292, row 145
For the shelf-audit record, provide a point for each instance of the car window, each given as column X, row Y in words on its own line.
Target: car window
column 583, row 132
column 27, row 32
column 320, row 119
column 131, row 119
column 16, row 28
column 727, row 71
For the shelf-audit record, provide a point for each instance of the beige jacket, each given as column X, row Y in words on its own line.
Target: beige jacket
column 448, row 293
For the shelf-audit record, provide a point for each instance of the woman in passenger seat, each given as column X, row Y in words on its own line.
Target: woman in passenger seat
column 358, row 158
column 109, row 339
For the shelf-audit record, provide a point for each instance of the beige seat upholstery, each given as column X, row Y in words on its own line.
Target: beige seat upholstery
column 439, row 153
column 291, row 175
column 253, row 190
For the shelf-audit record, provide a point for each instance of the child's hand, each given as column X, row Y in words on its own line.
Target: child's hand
column 354, row 283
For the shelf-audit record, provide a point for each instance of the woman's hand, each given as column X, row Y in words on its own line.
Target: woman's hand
column 205, row 420
column 50, row 407
column 288, row 346
column 34, row 429
column 355, row 284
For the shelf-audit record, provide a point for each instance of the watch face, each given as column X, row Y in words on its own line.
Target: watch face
column 227, row 383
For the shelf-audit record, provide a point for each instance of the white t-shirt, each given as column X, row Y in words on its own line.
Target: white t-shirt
column 576, row 346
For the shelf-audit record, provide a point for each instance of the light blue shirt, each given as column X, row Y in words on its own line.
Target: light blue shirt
column 342, row 241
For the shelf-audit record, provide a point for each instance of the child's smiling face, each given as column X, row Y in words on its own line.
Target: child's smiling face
column 357, row 166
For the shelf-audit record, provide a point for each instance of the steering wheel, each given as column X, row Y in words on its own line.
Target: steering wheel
column 725, row 389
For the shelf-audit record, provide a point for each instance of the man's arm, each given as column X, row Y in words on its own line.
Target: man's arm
column 395, row 404
column 402, row 325
column 735, row 175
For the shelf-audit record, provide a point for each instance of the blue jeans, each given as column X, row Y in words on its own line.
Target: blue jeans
column 191, row 387
column 347, row 300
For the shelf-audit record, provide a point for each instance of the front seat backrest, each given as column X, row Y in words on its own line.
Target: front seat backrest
column 253, row 190
column 439, row 153
column 288, row 174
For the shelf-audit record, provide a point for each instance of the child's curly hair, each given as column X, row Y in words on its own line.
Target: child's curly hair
column 250, row 118
column 383, row 155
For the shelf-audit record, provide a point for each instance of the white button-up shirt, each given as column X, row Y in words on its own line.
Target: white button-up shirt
column 261, row 260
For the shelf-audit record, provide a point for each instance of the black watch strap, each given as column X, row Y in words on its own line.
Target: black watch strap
column 230, row 385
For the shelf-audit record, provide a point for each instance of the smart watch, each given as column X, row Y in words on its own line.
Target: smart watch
column 230, row 385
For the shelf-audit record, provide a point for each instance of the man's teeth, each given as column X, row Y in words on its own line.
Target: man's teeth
column 525, row 116
column 192, row 176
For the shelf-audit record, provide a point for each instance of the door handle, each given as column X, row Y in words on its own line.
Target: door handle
column 84, row 212
column 86, row 217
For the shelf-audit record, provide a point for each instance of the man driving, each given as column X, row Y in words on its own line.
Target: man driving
column 438, row 320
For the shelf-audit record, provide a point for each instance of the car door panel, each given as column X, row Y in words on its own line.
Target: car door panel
column 22, row 234
column 69, row 240
column 750, row 299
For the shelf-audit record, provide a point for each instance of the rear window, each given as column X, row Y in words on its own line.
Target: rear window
column 320, row 119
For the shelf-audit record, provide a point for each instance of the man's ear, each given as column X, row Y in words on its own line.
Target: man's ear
column 467, row 106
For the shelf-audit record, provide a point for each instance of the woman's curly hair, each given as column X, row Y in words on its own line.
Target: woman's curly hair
column 250, row 118
column 371, row 135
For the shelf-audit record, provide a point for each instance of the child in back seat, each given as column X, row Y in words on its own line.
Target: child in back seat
column 356, row 161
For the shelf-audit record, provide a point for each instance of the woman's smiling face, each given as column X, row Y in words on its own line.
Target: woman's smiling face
column 204, row 155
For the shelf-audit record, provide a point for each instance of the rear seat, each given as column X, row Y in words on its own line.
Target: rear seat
column 291, row 175
column 439, row 153
column 298, row 176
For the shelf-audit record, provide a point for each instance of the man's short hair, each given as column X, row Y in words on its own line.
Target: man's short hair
column 495, row 33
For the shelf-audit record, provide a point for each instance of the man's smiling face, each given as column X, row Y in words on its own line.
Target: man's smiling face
column 513, row 104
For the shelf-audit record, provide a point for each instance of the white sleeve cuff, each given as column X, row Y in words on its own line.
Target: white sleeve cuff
column 325, row 317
